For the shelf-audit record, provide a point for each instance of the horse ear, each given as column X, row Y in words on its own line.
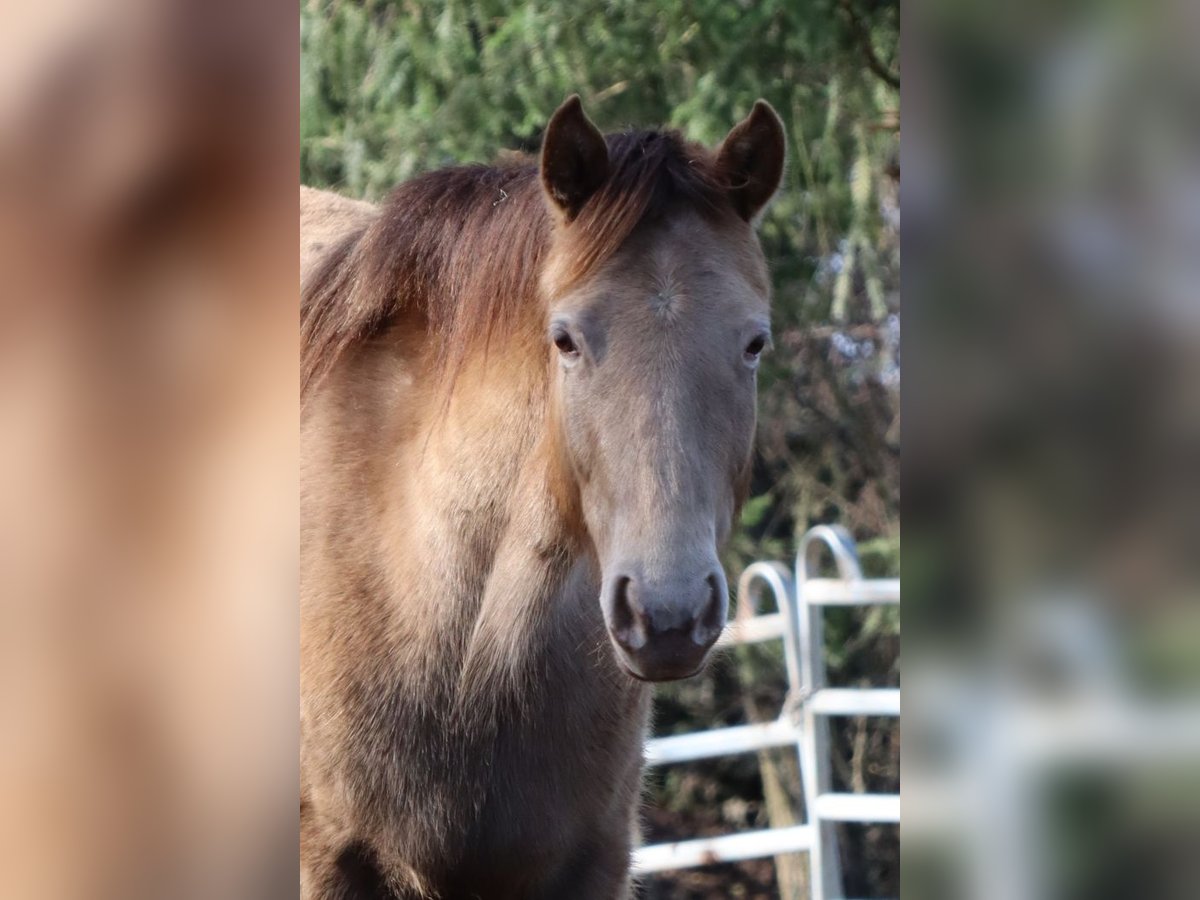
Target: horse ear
column 574, row 158
column 750, row 159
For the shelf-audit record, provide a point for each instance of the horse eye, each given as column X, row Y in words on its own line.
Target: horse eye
column 565, row 345
column 756, row 346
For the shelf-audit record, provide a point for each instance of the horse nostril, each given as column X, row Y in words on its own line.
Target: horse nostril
column 712, row 618
column 628, row 618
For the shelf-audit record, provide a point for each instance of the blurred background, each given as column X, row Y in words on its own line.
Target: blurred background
column 389, row 89
column 148, row 446
column 1052, row 450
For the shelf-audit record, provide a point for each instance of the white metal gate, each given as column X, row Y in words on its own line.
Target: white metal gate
column 800, row 600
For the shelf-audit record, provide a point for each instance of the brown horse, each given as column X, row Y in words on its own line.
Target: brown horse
column 529, row 398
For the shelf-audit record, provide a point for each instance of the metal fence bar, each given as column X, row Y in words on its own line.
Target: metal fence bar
column 720, row 742
column 754, row 630
column 727, row 848
column 825, row 877
column 778, row 580
column 835, row 592
column 856, row 702
column 858, row 808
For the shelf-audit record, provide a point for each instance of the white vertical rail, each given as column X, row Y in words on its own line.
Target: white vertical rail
column 825, row 874
column 778, row 579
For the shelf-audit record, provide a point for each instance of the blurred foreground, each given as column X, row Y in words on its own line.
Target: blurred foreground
column 148, row 417
column 1052, row 698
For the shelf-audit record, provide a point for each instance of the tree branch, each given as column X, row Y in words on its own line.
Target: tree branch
column 863, row 34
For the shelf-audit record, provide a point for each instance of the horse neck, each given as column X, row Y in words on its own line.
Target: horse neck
column 475, row 536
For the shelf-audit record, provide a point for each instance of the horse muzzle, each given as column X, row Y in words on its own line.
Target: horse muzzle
column 663, row 631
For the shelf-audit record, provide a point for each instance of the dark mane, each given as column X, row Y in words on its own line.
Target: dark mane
column 464, row 247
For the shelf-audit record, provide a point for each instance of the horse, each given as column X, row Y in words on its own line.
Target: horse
column 528, row 410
